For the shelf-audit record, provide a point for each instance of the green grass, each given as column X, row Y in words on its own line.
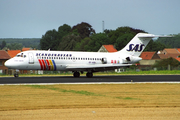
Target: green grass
column 131, row 72
column 162, row 72
column 82, row 92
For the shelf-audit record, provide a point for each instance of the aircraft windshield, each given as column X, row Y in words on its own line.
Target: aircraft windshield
column 21, row 55
column 18, row 55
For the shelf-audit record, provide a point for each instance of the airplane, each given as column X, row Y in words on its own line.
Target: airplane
column 79, row 62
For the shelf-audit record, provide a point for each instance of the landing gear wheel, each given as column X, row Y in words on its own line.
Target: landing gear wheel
column 76, row 74
column 16, row 75
column 89, row 74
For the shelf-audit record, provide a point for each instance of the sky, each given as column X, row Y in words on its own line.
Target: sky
column 32, row 18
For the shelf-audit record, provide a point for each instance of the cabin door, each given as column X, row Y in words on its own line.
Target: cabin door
column 31, row 58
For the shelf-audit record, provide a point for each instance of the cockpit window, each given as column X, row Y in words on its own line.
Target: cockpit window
column 21, row 55
column 18, row 55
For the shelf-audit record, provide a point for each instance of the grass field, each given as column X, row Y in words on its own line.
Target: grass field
column 107, row 101
column 131, row 72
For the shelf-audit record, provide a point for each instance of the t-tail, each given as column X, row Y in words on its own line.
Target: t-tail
column 138, row 44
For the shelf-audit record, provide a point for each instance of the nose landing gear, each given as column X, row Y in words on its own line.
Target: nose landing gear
column 16, row 75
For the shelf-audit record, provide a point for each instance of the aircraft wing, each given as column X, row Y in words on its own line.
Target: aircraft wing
column 95, row 67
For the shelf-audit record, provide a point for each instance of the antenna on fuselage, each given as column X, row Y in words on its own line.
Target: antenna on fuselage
column 49, row 49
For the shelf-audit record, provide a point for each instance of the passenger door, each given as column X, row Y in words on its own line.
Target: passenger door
column 31, row 58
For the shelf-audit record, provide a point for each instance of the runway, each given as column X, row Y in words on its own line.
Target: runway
column 94, row 80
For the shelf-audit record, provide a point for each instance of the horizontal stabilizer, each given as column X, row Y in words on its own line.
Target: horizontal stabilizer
column 150, row 36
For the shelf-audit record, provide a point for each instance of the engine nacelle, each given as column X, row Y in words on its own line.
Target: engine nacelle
column 133, row 59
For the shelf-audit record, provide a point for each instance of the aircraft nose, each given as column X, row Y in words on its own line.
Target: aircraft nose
column 8, row 63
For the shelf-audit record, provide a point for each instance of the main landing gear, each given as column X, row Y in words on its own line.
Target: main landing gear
column 76, row 74
column 88, row 74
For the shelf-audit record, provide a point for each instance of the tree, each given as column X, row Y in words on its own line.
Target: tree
column 82, row 45
column 49, row 40
column 171, row 42
column 52, row 38
column 154, row 46
column 68, row 42
column 84, row 30
column 123, row 40
column 97, row 40
column 3, row 44
column 62, row 31
column 165, row 62
column 121, row 36
column 14, row 46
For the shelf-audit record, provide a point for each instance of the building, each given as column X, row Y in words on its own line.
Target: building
column 107, row 48
column 13, row 53
column 149, row 58
column 26, row 49
column 170, row 52
column 3, row 57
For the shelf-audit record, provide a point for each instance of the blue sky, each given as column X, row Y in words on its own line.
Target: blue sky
column 32, row 18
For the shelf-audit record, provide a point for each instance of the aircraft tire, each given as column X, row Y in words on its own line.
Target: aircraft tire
column 16, row 75
column 89, row 74
column 76, row 74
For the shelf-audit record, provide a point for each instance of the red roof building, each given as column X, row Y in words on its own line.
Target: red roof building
column 170, row 52
column 148, row 59
column 107, row 48
column 178, row 49
column 178, row 59
column 26, row 49
column 149, row 55
column 3, row 57
column 13, row 53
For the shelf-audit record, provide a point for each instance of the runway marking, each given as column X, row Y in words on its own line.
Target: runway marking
column 92, row 83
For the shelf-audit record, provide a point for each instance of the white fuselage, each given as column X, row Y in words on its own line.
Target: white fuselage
column 60, row 60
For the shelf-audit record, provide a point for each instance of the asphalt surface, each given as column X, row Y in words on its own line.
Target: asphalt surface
column 95, row 79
